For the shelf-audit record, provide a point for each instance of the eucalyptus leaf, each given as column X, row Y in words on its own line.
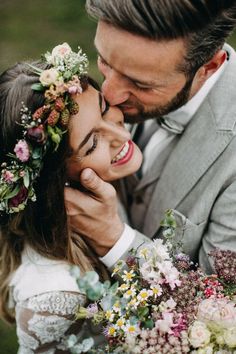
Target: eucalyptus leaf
column 91, row 278
column 37, row 87
column 87, row 344
column 95, row 293
column 26, row 179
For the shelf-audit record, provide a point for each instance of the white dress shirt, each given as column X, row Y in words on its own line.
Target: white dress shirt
column 159, row 140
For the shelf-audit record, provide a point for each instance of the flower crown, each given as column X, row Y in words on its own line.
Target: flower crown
column 43, row 130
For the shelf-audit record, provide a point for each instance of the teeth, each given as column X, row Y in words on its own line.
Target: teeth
column 122, row 153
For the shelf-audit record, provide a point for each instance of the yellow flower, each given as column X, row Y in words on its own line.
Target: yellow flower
column 127, row 276
column 112, row 331
column 157, row 291
column 129, row 293
column 116, row 307
column 144, row 294
column 120, row 323
column 143, row 253
column 109, row 315
column 123, row 287
column 131, row 329
column 133, row 303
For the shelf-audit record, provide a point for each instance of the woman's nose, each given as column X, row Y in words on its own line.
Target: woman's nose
column 114, row 121
column 115, row 88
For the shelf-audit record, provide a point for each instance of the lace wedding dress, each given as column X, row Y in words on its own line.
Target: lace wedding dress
column 45, row 297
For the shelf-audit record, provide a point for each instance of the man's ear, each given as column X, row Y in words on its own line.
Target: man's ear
column 206, row 70
column 212, row 66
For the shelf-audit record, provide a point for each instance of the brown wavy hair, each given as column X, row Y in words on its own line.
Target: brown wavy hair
column 43, row 224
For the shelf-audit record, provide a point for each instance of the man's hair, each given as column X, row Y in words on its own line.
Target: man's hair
column 204, row 24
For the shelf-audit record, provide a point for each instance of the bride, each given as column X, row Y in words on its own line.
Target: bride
column 54, row 123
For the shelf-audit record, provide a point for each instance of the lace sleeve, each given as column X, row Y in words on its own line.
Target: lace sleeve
column 46, row 320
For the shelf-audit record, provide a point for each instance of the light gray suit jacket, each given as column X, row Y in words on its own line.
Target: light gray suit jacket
column 198, row 180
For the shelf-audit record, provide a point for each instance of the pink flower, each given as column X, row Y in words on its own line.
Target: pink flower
column 22, row 150
column 8, row 176
column 73, row 90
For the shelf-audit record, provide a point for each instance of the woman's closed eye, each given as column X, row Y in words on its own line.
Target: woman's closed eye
column 94, row 144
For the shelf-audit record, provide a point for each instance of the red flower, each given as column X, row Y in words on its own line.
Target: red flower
column 19, row 198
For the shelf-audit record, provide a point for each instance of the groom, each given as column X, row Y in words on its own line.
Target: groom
column 166, row 65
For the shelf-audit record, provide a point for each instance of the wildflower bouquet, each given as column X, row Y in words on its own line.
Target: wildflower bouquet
column 163, row 303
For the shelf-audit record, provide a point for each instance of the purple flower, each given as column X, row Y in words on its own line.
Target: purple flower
column 19, row 198
column 92, row 310
column 37, row 134
column 22, row 150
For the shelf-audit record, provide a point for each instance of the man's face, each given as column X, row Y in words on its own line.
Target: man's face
column 141, row 76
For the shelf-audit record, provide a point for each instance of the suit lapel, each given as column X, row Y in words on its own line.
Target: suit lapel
column 205, row 138
column 198, row 148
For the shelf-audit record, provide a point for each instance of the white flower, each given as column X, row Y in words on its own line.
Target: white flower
column 206, row 350
column 199, row 335
column 160, row 250
column 128, row 276
column 132, row 329
column 166, row 323
column 49, row 77
column 120, row 323
column 130, row 293
column 144, row 295
column 144, row 253
column 230, row 337
column 60, row 51
column 217, row 312
column 171, row 274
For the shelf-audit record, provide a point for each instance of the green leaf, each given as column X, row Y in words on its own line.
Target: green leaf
column 149, row 324
column 35, row 69
column 26, row 179
column 38, row 87
column 142, row 312
column 13, row 193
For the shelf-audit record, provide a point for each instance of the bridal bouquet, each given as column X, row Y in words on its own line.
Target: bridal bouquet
column 163, row 303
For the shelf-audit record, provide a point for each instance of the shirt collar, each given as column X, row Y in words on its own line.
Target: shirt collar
column 184, row 114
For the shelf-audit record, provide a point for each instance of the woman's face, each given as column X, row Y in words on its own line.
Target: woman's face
column 99, row 140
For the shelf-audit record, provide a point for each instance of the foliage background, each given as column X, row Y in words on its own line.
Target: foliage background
column 29, row 28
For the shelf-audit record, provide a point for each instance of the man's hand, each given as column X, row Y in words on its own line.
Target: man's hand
column 94, row 214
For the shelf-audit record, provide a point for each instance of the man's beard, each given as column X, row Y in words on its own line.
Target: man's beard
column 179, row 100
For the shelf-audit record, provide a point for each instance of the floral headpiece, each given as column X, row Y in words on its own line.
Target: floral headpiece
column 43, row 130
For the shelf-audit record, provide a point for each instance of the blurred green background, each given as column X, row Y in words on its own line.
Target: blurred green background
column 29, row 28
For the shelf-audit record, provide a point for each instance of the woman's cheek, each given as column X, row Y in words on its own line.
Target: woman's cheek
column 101, row 164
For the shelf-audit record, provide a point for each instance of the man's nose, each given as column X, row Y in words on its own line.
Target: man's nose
column 115, row 88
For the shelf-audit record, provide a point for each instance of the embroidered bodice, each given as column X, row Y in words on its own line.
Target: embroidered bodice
column 46, row 297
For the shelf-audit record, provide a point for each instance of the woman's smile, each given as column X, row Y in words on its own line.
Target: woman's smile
column 124, row 155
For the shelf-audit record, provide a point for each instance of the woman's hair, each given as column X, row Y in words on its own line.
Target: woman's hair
column 203, row 24
column 42, row 224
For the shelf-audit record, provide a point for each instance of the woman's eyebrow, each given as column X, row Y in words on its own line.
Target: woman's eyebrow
column 86, row 138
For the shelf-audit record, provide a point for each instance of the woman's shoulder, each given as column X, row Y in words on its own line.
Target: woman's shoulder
column 37, row 275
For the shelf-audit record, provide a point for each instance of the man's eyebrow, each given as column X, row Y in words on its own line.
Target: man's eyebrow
column 137, row 81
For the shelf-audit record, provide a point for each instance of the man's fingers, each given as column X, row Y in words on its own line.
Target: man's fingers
column 92, row 182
